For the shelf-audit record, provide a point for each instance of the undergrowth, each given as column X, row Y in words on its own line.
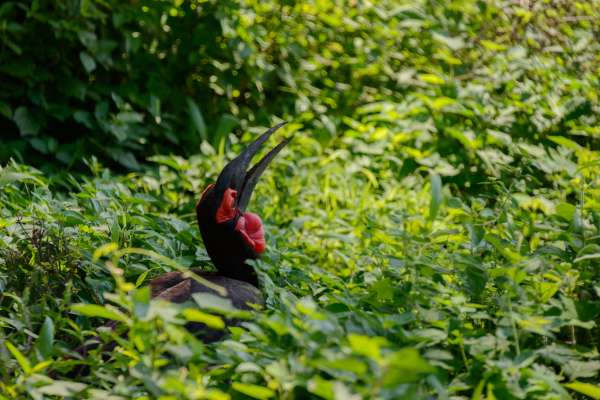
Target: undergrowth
column 376, row 286
column 433, row 229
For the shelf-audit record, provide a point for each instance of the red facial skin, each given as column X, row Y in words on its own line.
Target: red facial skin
column 226, row 210
column 248, row 225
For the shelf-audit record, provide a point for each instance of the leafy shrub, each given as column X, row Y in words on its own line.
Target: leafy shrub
column 125, row 80
column 433, row 228
column 376, row 286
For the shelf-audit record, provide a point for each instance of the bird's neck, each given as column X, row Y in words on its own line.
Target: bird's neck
column 243, row 272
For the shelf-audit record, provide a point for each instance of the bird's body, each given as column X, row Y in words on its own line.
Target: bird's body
column 175, row 287
column 231, row 236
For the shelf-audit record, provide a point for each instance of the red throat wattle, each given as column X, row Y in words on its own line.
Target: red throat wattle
column 249, row 225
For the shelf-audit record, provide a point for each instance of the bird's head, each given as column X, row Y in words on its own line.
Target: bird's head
column 232, row 235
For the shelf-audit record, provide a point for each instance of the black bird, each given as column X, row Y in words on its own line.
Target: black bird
column 231, row 236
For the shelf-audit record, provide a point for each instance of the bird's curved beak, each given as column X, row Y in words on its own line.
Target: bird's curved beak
column 234, row 175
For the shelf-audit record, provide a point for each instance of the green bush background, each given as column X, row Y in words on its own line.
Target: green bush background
column 126, row 80
column 433, row 229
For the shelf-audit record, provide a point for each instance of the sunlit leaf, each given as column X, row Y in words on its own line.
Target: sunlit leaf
column 21, row 359
column 94, row 310
column 587, row 389
column 254, row 391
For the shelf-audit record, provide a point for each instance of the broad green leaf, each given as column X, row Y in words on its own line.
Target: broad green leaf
column 213, row 302
column 565, row 142
column 492, row 45
column 321, row 387
column 197, row 118
column 406, row 365
column 345, row 364
column 26, row 122
column 94, row 310
column 21, row 359
column 45, row 341
column 254, row 391
column 226, row 124
column 587, row 389
column 88, row 62
column 141, row 278
column 431, row 78
column 565, row 210
column 195, row 315
column 366, row 346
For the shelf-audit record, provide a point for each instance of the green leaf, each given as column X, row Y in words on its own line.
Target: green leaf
column 587, row 389
column 254, row 391
column 88, row 62
column 492, row 46
column 21, row 359
column 565, row 142
column 26, row 122
column 366, row 346
column 195, row 315
column 565, row 210
column 321, row 387
column 592, row 256
column 197, row 118
column 226, row 124
column 589, row 252
column 436, row 196
column 404, row 366
column 5, row 110
column 45, row 341
column 213, row 302
column 63, row 388
column 431, row 78
column 7, row 176
column 503, row 248
column 94, row 310
column 104, row 250
column 141, row 278
column 344, row 364
column 454, row 43
column 383, row 290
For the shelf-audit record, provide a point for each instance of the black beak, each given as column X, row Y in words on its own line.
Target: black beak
column 234, row 174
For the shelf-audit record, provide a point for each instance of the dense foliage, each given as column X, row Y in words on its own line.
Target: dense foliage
column 433, row 228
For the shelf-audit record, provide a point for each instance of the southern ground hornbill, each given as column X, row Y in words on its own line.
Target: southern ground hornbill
column 231, row 236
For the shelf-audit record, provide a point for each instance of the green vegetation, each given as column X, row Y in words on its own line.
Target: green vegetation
column 433, row 229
